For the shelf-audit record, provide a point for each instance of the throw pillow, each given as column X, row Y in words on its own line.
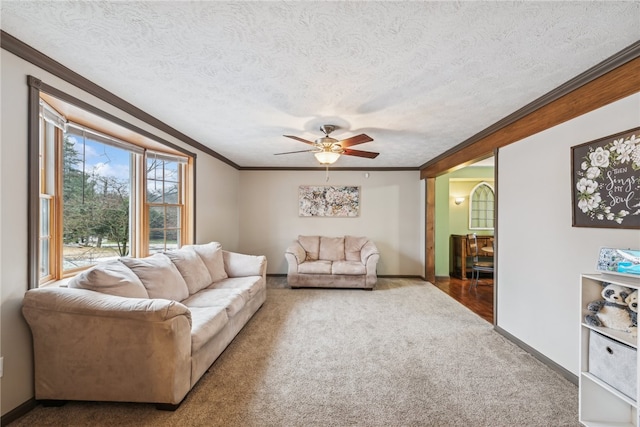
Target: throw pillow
column 159, row 276
column 111, row 277
column 211, row 255
column 191, row 267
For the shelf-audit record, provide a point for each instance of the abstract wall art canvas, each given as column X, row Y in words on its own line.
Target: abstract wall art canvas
column 329, row 200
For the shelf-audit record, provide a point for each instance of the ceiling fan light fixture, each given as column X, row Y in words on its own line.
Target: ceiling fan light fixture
column 327, row 157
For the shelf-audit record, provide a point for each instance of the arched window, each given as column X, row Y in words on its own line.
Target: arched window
column 481, row 207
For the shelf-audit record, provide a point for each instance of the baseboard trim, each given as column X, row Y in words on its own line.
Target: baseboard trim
column 18, row 412
column 541, row 357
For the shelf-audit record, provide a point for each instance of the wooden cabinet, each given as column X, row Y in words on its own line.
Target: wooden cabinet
column 460, row 258
column 602, row 402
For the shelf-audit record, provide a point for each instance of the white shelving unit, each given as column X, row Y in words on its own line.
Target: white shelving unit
column 601, row 404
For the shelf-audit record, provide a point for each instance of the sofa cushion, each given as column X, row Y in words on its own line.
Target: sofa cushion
column 315, row 267
column 159, row 276
column 332, row 248
column 191, row 267
column 111, row 277
column 206, row 322
column 250, row 285
column 232, row 300
column 352, row 247
column 349, row 268
column 311, row 245
column 211, row 254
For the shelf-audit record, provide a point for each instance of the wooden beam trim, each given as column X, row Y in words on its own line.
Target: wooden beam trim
column 609, row 87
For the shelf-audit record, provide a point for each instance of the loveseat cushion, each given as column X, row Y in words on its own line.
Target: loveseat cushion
column 315, row 267
column 232, row 300
column 311, row 245
column 159, row 276
column 332, row 248
column 206, row 322
column 191, row 267
column 211, row 255
column 353, row 246
column 111, row 277
column 349, row 268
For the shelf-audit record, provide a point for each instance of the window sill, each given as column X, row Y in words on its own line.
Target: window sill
column 62, row 283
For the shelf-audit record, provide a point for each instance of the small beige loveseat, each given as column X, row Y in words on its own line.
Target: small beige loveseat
column 141, row 329
column 335, row 262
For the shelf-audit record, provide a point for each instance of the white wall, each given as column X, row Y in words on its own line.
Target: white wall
column 217, row 189
column 540, row 254
column 216, row 215
column 390, row 214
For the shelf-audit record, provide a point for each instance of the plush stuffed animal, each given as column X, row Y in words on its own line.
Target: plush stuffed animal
column 632, row 304
column 612, row 311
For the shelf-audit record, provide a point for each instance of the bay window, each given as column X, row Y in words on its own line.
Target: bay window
column 102, row 196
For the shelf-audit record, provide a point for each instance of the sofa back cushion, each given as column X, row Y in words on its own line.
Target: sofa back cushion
column 332, row 248
column 159, row 276
column 192, row 268
column 111, row 277
column 211, row 255
column 311, row 245
column 353, row 246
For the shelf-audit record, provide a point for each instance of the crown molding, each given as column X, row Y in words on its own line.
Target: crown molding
column 37, row 58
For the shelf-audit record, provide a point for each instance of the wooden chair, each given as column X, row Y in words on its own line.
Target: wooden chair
column 477, row 266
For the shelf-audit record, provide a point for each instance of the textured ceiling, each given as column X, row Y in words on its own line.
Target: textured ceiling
column 418, row 77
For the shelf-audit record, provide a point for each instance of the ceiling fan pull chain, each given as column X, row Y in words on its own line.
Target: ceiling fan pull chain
column 327, row 179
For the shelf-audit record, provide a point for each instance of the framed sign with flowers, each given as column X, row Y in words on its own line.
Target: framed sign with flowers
column 606, row 181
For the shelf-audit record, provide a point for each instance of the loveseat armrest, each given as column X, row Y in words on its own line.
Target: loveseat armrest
column 243, row 265
column 367, row 251
column 297, row 252
column 370, row 257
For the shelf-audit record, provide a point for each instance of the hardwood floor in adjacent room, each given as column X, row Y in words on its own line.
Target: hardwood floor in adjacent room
column 479, row 300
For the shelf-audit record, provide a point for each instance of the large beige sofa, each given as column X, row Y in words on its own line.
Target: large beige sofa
column 141, row 330
column 336, row 262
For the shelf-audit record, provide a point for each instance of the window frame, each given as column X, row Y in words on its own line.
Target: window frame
column 148, row 205
column 36, row 88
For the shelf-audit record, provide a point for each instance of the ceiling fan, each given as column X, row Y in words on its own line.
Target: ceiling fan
column 327, row 150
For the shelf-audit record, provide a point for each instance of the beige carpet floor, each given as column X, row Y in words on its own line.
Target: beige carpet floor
column 405, row 354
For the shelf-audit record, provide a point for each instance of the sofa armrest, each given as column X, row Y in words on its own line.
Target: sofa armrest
column 242, row 265
column 83, row 302
column 93, row 346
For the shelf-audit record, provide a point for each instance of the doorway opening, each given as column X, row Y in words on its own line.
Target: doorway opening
column 458, row 205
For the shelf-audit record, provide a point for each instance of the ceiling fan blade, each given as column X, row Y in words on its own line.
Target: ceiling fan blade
column 291, row 152
column 299, row 139
column 355, row 140
column 360, row 153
